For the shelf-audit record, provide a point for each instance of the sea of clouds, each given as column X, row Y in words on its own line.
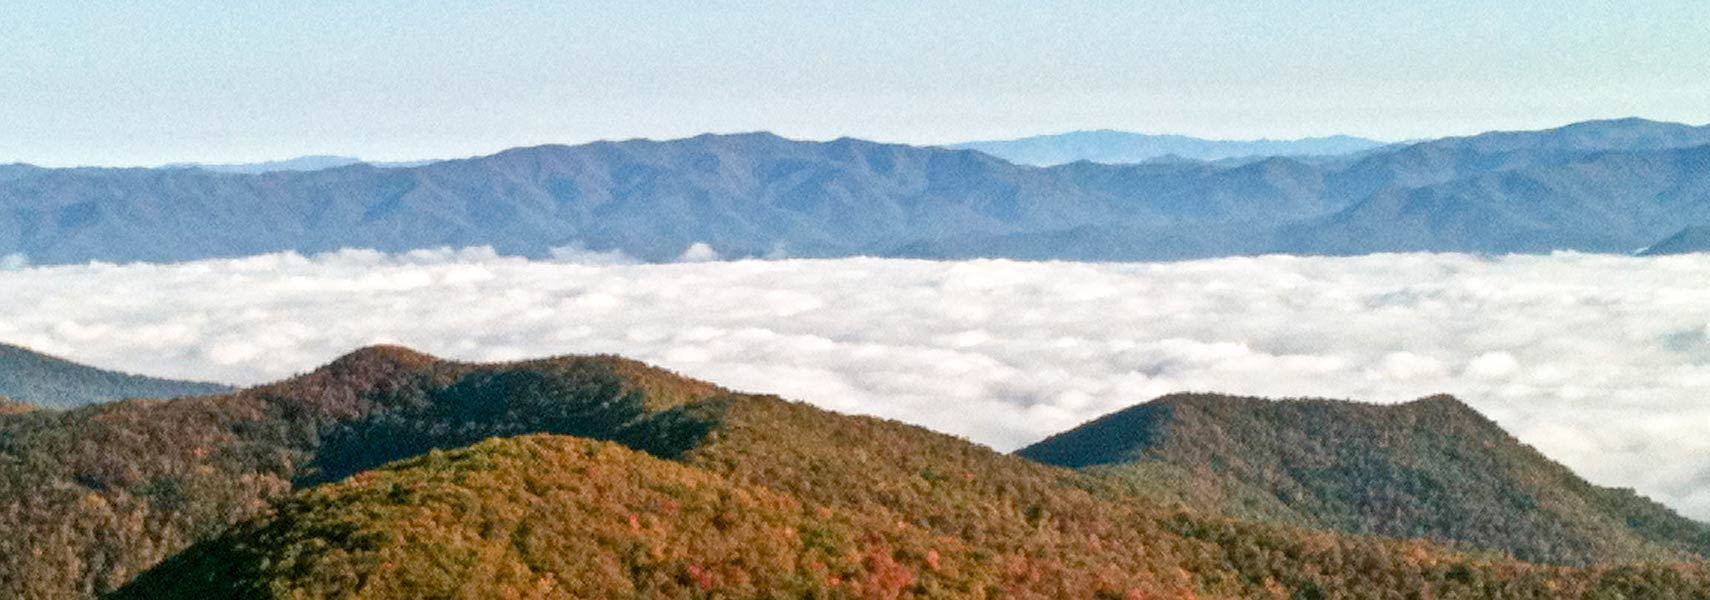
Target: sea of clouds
column 1602, row 362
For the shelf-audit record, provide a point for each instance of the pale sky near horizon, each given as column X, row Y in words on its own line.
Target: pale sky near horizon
column 139, row 83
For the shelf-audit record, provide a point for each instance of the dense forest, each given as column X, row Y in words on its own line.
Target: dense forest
column 563, row 517
column 1431, row 468
column 690, row 491
column 29, row 376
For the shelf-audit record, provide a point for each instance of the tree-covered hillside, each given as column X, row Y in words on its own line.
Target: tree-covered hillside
column 1431, row 468
column 50, row 382
column 563, row 517
column 92, row 497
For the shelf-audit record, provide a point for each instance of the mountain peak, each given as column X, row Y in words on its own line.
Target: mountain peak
column 389, row 353
column 378, row 360
column 1442, row 402
column 1433, row 467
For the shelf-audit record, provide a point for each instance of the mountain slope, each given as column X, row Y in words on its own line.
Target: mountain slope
column 1430, row 468
column 1109, row 146
column 92, row 496
column 9, row 172
column 1599, row 202
column 551, row 516
column 50, row 382
column 1692, row 240
column 1601, row 135
column 562, row 517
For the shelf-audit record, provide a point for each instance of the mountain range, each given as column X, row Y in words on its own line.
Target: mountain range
column 1117, row 147
column 46, row 381
column 393, row 474
column 1604, row 186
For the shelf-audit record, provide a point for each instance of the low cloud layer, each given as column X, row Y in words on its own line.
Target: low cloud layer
column 1602, row 362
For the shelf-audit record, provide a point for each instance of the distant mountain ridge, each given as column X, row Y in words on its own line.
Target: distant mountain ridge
column 1608, row 186
column 1120, row 147
column 314, row 162
column 1431, row 468
column 49, row 382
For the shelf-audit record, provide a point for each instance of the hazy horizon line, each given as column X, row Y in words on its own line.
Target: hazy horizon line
column 804, row 138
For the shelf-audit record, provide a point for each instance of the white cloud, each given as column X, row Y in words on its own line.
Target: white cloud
column 13, row 262
column 698, row 252
column 1492, row 365
column 1407, row 366
column 1608, row 379
column 580, row 254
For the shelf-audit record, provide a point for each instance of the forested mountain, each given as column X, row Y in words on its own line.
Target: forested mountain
column 1692, row 240
column 46, row 381
column 1117, row 147
column 1431, row 468
column 705, row 493
column 1607, row 186
column 564, row 517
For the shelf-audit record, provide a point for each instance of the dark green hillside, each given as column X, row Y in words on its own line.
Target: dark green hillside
column 1430, row 468
column 56, row 383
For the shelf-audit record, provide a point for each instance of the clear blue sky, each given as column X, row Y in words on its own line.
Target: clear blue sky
column 147, row 82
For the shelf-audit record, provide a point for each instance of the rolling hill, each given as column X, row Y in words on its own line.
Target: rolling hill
column 50, row 382
column 1605, row 186
column 1431, row 468
column 648, row 483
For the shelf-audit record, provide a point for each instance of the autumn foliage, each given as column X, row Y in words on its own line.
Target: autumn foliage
column 391, row 474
